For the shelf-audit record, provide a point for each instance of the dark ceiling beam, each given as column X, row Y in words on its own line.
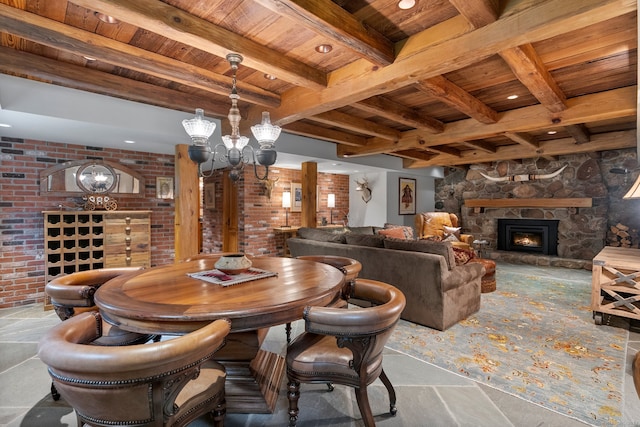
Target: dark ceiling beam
column 77, row 77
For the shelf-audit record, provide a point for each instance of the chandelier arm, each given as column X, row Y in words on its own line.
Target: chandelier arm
column 201, row 171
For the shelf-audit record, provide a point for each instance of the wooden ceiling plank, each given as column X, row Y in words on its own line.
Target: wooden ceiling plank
column 421, row 57
column 384, row 107
column 616, row 103
column 579, row 132
column 178, row 25
column 444, row 149
column 557, row 147
column 415, row 155
column 453, row 95
column 480, row 145
column 522, row 138
column 478, row 12
column 79, row 42
column 331, row 135
column 531, row 71
column 81, row 78
column 355, row 124
column 330, row 20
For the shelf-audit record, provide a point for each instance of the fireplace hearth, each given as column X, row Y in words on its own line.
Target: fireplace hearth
column 528, row 235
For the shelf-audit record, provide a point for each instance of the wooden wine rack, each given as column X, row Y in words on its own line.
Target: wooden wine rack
column 88, row 240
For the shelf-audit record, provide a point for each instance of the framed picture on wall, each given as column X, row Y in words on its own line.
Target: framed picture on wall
column 296, row 197
column 164, row 187
column 407, row 196
column 210, row 195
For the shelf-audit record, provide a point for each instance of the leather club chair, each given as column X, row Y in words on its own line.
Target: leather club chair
column 636, row 372
column 167, row 383
column 345, row 346
column 73, row 293
column 431, row 225
column 349, row 267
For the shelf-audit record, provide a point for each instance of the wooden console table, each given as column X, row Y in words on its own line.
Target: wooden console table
column 615, row 283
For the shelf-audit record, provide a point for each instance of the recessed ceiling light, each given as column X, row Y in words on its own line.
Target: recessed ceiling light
column 270, row 77
column 5, row 125
column 406, row 4
column 552, row 132
column 512, row 97
column 324, row 48
column 88, row 58
column 129, row 141
column 106, row 18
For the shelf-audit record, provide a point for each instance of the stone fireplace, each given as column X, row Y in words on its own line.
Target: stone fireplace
column 528, row 235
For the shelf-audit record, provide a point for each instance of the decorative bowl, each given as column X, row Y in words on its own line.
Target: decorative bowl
column 233, row 264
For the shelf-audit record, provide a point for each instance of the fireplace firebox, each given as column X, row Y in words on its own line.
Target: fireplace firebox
column 528, row 235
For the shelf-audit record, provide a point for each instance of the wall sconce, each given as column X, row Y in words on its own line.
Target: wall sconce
column 286, row 204
column 331, row 203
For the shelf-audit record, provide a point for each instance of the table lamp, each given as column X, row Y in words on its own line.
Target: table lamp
column 331, row 203
column 286, row 204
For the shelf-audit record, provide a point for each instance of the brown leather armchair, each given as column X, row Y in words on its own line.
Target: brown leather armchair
column 73, row 293
column 345, row 346
column 167, row 383
column 431, row 224
column 636, row 372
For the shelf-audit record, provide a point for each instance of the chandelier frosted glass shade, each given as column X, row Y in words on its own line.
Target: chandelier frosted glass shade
column 240, row 142
column 198, row 128
column 265, row 132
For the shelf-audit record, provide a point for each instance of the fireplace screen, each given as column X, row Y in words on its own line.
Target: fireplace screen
column 533, row 240
column 528, row 235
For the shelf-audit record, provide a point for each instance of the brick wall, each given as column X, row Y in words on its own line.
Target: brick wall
column 259, row 214
column 22, row 277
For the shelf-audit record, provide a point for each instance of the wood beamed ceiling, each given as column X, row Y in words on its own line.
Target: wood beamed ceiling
column 429, row 84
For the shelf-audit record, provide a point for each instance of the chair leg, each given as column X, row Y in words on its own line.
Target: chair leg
column 362, row 397
column 392, row 393
column 287, row 329
column 54, row 392
column 293, row 395
column 218, row 414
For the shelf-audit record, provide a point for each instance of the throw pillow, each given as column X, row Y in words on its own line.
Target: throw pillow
column 462, row 256
column 407, row 230
column 452, row 231
column 372, row 240
column 438, row 248
column 397, row 233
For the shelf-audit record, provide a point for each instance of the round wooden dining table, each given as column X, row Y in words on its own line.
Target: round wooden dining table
column 167, row 300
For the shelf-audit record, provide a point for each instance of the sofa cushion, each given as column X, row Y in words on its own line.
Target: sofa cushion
column 321, row 235
column 361, row 230
column 438, row 248
column 373, row 240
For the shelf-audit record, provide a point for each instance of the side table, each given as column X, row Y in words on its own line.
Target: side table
column 286, row 233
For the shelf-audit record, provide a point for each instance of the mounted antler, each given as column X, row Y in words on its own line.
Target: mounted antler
column 524, row 177
column 364, row 187
column 268, row 185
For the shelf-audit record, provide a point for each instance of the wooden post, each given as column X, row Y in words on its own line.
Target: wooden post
column 230, row 214
column 187, row 205
column 309, row 188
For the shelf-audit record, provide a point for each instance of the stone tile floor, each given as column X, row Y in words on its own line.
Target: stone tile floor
column 427, row 395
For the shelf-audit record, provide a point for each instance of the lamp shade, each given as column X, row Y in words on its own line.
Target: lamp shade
column 634, row 191
column 286, row 199
column 331, row 201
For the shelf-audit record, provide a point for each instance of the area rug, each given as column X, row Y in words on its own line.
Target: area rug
column 534, row 338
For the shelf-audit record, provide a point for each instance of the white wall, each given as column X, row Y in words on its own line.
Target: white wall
column 384, row 204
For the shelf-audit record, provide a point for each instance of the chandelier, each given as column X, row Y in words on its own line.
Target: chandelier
column 233, row 147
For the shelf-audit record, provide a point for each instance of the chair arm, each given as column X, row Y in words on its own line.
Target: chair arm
column 467, row 238
column 358, row 321
column 136, row 360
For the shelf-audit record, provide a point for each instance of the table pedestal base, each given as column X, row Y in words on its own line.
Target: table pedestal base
column 253, row 375
column 253, row 388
